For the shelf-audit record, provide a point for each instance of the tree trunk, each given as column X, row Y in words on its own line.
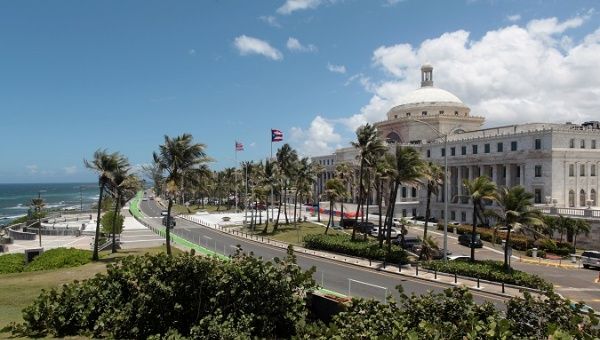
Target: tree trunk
column 506, row 246
column 285, row 201
column 97, row 238
column 379, row 204
column 360, row 193
column 368, row 198
column 295, row 204
column 329, row 221
column 391, row 219
column 278, row 214
column 114, row 221
column 474, row 230
column 427, row 215
column 168, row 227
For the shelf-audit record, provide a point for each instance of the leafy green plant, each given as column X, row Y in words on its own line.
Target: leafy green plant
column 490, row 270
column 59, row 258
column 343, row 244
column 12, row 263
column 107, row 223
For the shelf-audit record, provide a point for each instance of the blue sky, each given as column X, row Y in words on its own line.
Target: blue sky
column 82, row 75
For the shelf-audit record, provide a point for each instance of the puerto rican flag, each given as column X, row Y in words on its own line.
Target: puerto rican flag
column 239, row 146
column 276, row 135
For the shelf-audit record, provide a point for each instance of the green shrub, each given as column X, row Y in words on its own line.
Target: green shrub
column 156, row 294
column 59, row 258
column 343, row 244
column 12, row 263
column 491, row 271
column 540, row 253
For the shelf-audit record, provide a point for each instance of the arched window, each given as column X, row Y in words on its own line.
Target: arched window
column 593, row 197
column 392, row 137
column 582, row 198
column 571, row 198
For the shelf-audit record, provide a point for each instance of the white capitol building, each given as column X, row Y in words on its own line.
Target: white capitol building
column 558, row 163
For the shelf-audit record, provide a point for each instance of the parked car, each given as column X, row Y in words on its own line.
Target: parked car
column 164, row 213
column 410, row 242
column 348, row 223
column 395, row 232
column 365, row 227
column 397, row 222
column 590, row 258
column 464, row 258
column 172, row 220
column 466, row 239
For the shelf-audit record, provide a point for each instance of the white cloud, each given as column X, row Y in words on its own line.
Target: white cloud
column 270, row 20
column 295, row 5
column 319, row 139
column 336, row 68
column 510, row 75
column 32, row 169
column 514, row 17
column 388, row 3
column 70, row 170
column 248, row 45
column 192, row 51
column 294, row 44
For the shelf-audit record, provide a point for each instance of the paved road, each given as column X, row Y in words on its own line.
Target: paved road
column 334, row 275
column 576, row 284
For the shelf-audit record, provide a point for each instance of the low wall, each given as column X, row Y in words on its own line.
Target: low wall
column 20, row 235
column 56, row 231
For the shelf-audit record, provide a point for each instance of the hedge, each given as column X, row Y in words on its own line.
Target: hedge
column 12, row 263
column 343, row 244
column 491, row 271
column 518, row 242
column 51, row 259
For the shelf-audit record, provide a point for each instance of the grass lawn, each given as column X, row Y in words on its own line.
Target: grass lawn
column 291, row 234
column 18, row 290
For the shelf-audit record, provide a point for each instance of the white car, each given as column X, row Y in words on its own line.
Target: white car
column 164, row 213
column 395, row 232
column 463, row 258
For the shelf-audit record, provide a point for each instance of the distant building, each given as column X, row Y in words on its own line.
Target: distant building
column 558, row 163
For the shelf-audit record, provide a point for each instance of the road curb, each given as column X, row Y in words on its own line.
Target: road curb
column 549, row 264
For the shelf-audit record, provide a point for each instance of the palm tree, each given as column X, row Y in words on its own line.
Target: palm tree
column 334, row 191
column 38, row 204
column 478, row 190
column 384, row 170
column 124, row 186
column 369, row 145
column 515, row 212
column 580, row 227
column 286, row 159
column 408, row 170
column 174, row 157
column 105, row 165
column 435, row 178
column 344, row 171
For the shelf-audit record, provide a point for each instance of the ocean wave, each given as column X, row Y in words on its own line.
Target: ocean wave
column 11, row 217
column 18, row 207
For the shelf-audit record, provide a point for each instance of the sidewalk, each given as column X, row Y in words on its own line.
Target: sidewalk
column 494, row 288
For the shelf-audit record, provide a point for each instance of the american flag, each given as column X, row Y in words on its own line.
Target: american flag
column 276, row 135
column 239, row 146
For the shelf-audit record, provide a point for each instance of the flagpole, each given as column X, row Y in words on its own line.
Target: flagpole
column 272, row 201
column 235, row 179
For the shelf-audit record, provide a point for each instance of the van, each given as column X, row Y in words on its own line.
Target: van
column 590, row 258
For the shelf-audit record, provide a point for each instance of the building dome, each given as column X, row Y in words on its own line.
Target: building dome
column 429, row 94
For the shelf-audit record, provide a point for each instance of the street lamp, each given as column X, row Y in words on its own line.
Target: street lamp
column 445, row 136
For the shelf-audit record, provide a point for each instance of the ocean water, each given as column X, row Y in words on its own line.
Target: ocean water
column 15, row 199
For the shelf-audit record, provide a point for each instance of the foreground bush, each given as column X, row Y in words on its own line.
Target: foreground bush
column 454, row 315
column 59, row 258
column 490, row 270
column 155, row 294
column 12, row 263
column 343, row 244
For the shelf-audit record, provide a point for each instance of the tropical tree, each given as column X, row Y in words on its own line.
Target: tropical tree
column 434, row 175
column 581, row 227
column 334, row 191
column 345, row 172
column 305, row 179
column 124, row 186
column 515, row 212
column 384, row 171
column 105, row 165
column 38, row 204
column 408, row 170
column 479, row 190
column 153, row 172
column 174, row 157
column 369, row 147
column 286, row 160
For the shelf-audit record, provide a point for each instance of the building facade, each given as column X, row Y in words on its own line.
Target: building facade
column 558, row 163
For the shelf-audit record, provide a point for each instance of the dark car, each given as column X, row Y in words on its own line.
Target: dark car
column 365, row 227
column 410, row 242
column 466, row 239
column 348, row 223
column 172, row 220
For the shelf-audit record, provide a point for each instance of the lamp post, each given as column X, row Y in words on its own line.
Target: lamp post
column 446, row 188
